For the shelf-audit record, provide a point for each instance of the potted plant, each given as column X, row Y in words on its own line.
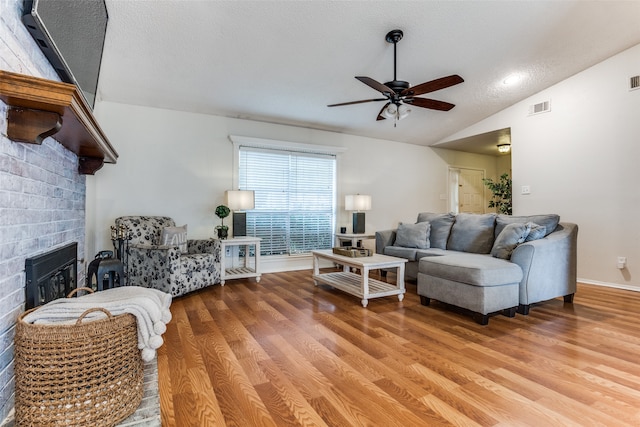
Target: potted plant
column 222, row 212
column 501, row 190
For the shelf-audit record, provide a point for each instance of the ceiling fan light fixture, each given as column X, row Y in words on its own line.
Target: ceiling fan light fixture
column 396, row 112
column 504, row 148
column 403, row 111
column 390, row 112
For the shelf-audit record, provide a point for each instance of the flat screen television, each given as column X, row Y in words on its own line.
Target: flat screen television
column 71, row 35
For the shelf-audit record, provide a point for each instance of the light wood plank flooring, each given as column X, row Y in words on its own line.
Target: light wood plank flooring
column 285, row 353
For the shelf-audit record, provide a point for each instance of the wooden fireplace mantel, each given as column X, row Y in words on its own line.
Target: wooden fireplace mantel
column 39, row 108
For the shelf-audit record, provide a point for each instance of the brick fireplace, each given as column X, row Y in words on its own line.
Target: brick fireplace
column 42, row 196
column 42, row 200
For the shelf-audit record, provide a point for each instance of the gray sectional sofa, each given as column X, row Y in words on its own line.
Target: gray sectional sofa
column 486, row 263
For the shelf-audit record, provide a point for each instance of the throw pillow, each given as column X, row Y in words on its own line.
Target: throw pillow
column 175, row 236
column 537, row 232
column 509, row 238
column 549, row 221
column 413, row 235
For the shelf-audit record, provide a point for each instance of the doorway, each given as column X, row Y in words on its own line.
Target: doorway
column 466, row 190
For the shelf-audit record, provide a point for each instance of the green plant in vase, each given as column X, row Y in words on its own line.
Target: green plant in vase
column 222, row 212
column 501, row 190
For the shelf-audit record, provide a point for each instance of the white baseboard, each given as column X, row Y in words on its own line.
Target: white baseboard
column 610, row 285
column 279, row 263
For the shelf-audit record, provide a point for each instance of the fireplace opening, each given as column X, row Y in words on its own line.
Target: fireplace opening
column 50, row 276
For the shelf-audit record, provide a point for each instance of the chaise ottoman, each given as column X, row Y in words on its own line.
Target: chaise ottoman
column 476, row 282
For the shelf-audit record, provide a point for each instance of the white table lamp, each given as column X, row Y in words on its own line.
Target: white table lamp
column 239, row 201
column 358, row 203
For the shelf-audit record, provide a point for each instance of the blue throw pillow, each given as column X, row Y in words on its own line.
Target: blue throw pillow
column 537, row 232
column 413, row 235
column 549, row 221
column 509, row 238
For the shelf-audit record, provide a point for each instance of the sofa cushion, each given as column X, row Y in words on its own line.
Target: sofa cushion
column 413, row 235
column 472, row 233
column 440, row 227
column 421, row 253
column 549, row 221
column 400, row 252
column 175, row 236
column 472, row 269
column 537, row 232
column 509, row 238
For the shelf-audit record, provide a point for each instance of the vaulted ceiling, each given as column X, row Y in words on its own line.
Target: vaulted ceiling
column 284, row 61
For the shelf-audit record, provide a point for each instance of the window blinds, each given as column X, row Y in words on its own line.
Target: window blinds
column 294, row 198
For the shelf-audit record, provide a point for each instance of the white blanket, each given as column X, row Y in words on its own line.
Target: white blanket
column 149, row 306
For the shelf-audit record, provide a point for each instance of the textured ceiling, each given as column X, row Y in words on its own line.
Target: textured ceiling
column 284, row 61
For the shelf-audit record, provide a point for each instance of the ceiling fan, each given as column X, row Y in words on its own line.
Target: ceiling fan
column 400, row 95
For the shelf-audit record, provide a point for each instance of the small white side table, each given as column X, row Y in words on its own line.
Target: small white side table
column 353, row 239
column 246, row 270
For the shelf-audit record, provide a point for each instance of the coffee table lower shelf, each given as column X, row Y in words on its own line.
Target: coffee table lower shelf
column 351, row 283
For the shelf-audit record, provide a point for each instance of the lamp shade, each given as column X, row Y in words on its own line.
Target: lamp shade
column 357, row 202
column 239, row 200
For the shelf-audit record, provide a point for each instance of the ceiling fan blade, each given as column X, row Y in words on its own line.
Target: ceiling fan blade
column 380, row 116
column 433, row 85
column 376, row 85
column 357, row 102
column 430, row 103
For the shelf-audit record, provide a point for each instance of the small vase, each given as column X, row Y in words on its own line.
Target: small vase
column 222, row 233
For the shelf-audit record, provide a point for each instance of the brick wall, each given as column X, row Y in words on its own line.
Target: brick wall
column 42, row 197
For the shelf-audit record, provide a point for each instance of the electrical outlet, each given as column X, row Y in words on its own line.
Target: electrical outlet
column 227, row 251
column 526, row 189
column 622, row 262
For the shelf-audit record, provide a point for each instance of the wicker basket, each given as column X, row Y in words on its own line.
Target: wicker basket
column 86, row 374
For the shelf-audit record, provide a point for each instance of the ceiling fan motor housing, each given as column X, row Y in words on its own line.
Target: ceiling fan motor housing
column 397, row 85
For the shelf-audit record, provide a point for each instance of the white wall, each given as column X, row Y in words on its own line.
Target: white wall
column 180, row 164
column 581, row 161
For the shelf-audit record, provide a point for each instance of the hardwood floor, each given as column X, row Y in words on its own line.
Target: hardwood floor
column 286, row 353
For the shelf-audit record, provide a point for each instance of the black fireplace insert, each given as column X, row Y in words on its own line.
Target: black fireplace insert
column 50, row 276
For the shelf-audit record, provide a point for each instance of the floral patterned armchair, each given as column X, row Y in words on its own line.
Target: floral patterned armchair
column 172, row 268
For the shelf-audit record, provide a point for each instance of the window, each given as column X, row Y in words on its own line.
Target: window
column 294, row 198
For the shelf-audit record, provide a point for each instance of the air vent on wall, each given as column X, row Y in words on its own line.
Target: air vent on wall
column 541, row 107
column 634, row 82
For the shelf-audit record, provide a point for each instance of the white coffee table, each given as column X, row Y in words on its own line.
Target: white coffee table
column 360, row 285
